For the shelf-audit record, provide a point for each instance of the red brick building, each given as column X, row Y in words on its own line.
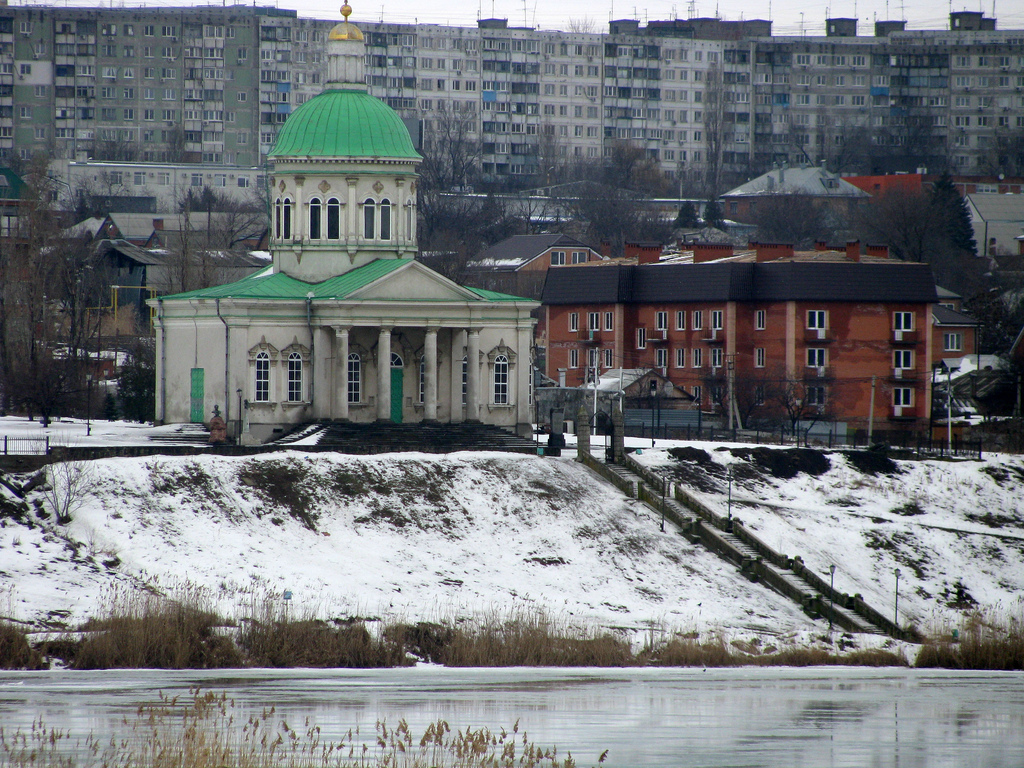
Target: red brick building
column 800, row 335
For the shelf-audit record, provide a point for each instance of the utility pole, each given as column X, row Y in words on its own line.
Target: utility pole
column 730, row 367
column 949, row 411
column 871, row 411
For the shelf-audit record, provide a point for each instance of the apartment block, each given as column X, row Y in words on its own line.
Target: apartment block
column 831, row 335
column 710, row 100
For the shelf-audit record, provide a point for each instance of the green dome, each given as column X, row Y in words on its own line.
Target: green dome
column 344, row 123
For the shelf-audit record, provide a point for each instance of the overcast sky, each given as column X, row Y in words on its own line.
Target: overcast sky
column 791, row 17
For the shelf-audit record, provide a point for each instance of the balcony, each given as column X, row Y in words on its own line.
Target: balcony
column 589, row 335
column 818, row 335
column 904, row 337
column 904, row 374
column 818, row 372
column 713, row 336
column 903, row 413
column 658, row 336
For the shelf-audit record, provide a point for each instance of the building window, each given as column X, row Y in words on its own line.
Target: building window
column 579, row 257
column 609, row 321
column 903, row 359
column 816, row 357
column 593, row 321
column 680, row 320
column 333, row 219
column 698, row 395
column 759, row 357
column 903, row 396
column 557, row 258
column 385, row 219
column 294, row 378
column 759, row 320
column 696, row 358
column 574, row 358
column 716, row 357
column 759, row 394
column 574, row 322
column 465, row 377
column 681, row 357
column 661, row 321
column 608, row 358
column 952, row 342
column 698, row 320
column 641, row 338
column 282, row 218
column 661, row 357
column 369, row 219
column 716, row 320
column 314, row 218
column 815, row 396
column 816, row 319
column 903, row 321
column 355, row 378
column 262, row 390
column 591, row 360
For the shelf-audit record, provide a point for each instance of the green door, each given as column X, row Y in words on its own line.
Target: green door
column 396, row 394
column 197, row 395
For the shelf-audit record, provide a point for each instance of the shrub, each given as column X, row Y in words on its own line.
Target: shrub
column 15, row 651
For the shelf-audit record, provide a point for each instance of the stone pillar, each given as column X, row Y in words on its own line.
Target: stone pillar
column 351, row 233
column 300, row 213
column 341, row 380
column 618, row 434
column 582, row 432
column 473, row 375
column 430, row 375
column 384, row 375
column 398, row 214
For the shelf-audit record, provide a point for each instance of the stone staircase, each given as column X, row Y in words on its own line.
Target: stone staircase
column 386, row 437
column 184, row 434
column 732, row 542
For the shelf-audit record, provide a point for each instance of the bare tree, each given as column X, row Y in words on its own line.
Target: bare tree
column 584, row 25
column 791, row 218
column 714, row 129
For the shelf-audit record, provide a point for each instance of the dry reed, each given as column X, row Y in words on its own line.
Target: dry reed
column 202, row 732
column 985, row 641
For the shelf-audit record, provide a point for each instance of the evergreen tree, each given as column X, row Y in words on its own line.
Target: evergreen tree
column 713, row 215
column 687, row 218
column 954, row 215
column 137, row 386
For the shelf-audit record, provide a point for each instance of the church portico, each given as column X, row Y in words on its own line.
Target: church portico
column 345, row 326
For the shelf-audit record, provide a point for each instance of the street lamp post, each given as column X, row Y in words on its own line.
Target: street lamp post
column 88, row 404
column 831, row 595
column 896, row 601
column 729, row 506
column 238, row 433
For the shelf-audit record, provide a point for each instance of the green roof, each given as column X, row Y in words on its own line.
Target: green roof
column 279, row 286
column 344, row 123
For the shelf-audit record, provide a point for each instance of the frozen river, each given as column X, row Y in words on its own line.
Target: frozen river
column 646, row 718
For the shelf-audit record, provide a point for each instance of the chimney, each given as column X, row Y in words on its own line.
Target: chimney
column 772, row 251
column 158, row 224
column 644, row 253
column 820, row 245
column 853, row 250
column 605, row 248
column 711, row 251
column 878, row 251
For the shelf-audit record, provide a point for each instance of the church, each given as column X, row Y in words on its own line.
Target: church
column 345, row 324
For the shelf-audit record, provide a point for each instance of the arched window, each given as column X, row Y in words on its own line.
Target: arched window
column 286, row 219
column 333, row 219
column 314, row 218
column 396, row 360
column 385, row 219
column 355, row 378
column 369, row 214
column 423, row 379
column 294, row 378
column 262, row 384
column 277, row 218
column 501, row 380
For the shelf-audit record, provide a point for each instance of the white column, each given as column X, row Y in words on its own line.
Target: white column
column 341, row 380
column 473, row 375
column 299, row 213
column 523, row 376
column 398, row 216
column 384, row 375
column 430, row 375
column 351, row 232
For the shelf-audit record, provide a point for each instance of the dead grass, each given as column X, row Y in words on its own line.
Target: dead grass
column 984, row 641
column 201, row 731
column 15, row 651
